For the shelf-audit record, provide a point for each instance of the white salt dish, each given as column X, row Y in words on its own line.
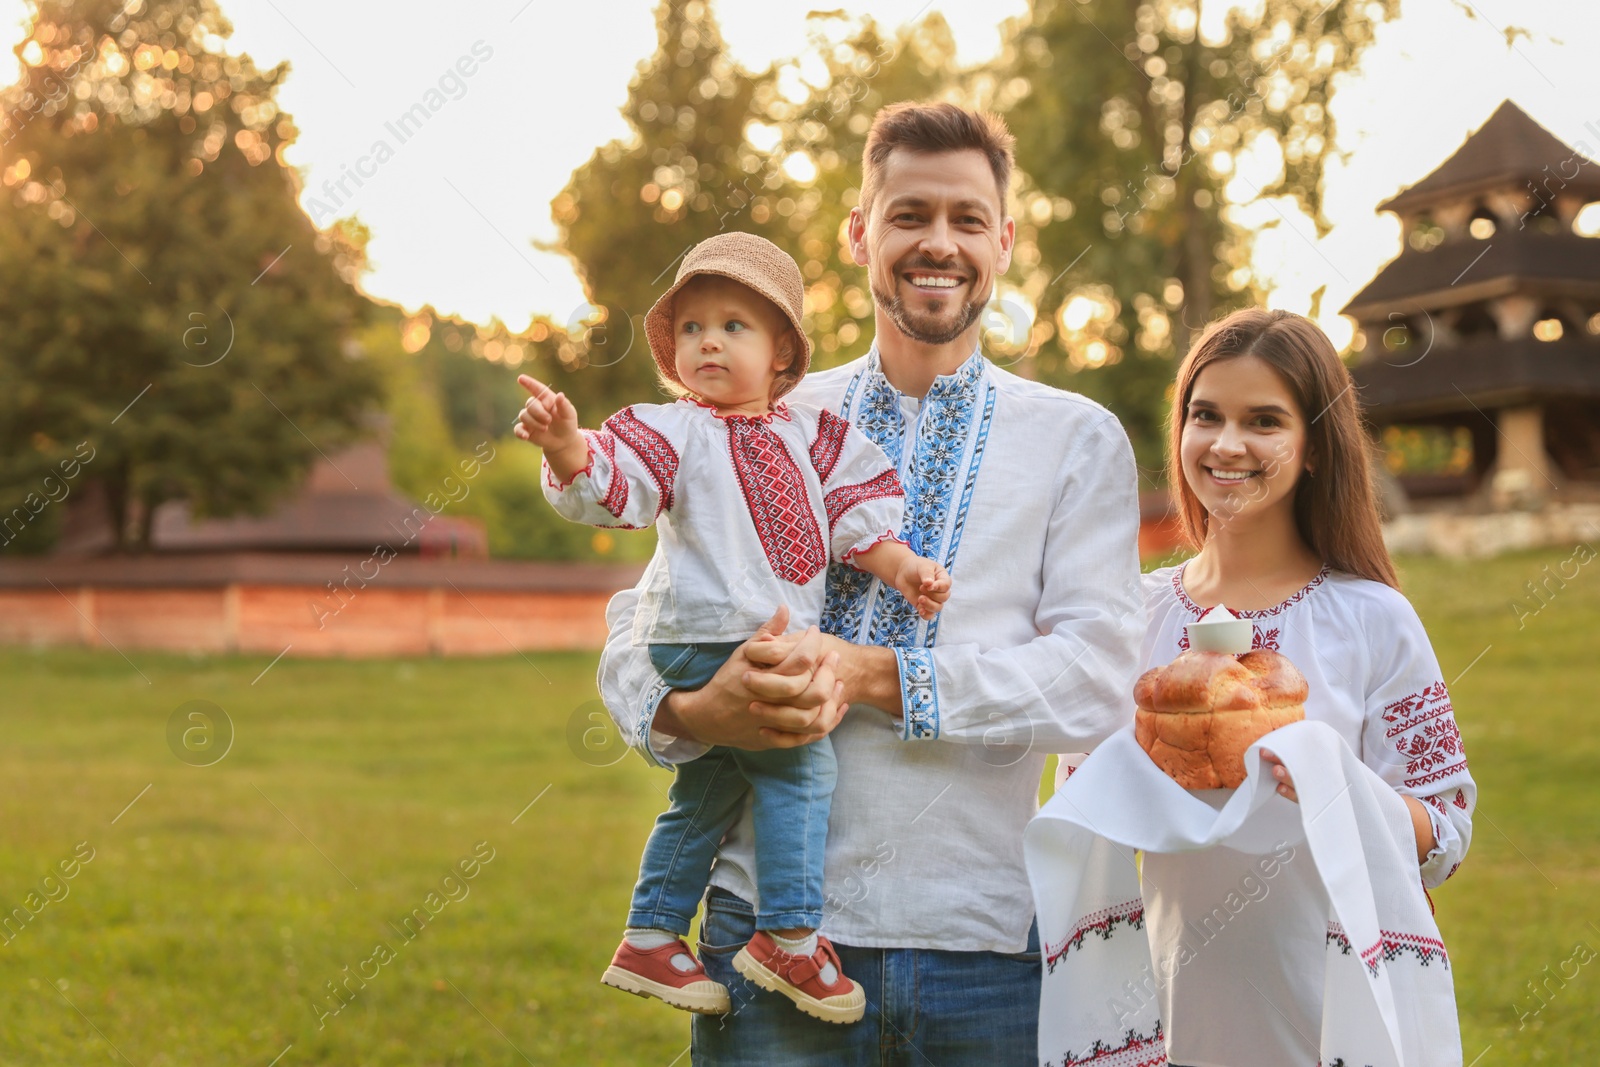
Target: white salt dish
column 1219, row 631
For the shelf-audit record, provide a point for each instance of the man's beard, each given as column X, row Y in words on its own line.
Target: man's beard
column 922, row 326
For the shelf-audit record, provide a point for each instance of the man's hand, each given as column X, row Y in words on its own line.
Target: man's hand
column 752, row 704
column 550, row 421
column 870, row 673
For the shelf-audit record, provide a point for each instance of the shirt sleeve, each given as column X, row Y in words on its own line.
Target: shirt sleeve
column 628, row 480
column 1071, row 687
column 860, row 490
column 1411, row 739
column 632, row 690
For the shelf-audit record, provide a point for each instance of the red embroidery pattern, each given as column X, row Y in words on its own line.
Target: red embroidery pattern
column 1460, row 800
column 1423, row 728
column 1260, row 613
column 1102, row 923
column 774, row 493
column 653, row 449
column 839, row 502
column 1136, row 1050
column 1389, row 947
column 831, row 432
column 616, row 498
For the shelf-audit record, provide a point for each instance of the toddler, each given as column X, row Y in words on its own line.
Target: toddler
column 754, row 499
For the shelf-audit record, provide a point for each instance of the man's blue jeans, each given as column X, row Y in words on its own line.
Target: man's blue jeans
column 951, row 1009
column 793, row 793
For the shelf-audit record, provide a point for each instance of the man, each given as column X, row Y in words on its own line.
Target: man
column 1026, row 494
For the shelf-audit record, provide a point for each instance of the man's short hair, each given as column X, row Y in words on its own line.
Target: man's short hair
column 935, row 127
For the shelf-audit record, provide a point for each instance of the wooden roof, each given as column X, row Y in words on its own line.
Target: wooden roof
column 1461, row 272
column 1509, row 150
column 346, row 504
column 1485, row 371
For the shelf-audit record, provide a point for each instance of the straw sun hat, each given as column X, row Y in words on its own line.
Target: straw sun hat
column 753, row 262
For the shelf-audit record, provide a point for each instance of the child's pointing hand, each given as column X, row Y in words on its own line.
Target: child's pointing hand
column 550, row 421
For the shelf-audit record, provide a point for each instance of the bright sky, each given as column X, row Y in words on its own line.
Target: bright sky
column 456, row 210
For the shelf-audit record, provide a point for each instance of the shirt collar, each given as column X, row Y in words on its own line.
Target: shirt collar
column 779, row 410
column 962, row 383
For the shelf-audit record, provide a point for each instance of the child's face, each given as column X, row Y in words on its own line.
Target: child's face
column 728, row 338
column 1244, row 439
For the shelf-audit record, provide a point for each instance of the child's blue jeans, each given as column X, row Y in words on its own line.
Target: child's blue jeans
column 793, row 790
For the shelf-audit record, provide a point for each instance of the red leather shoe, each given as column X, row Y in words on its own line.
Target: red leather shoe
column 800, row 979
column 669, row 973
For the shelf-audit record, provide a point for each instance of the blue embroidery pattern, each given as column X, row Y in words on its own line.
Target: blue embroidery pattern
column 881, row 419
column 919, row 696
column 966, row 496
column 641, row 729
column 943, row 440
column 939, row 478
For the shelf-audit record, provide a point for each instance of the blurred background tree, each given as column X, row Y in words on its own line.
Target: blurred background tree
column 632, row 211
column 450, row 385
column 147, row 193
column 857, row 70
column 1130, row 118
column 152, row 254
column 717, row 148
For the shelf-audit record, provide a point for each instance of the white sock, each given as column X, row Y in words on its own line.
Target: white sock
column 645, row 938
column 807, row 946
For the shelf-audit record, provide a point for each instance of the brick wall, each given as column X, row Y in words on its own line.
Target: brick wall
column 313, row 604
column 267, row 618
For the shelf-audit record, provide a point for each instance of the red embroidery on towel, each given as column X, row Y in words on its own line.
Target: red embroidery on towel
column 1101, row 923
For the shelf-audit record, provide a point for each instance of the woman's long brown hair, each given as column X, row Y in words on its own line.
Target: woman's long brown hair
column 1336, row 509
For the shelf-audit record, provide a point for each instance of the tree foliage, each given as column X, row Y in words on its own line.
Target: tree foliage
column 715, row 148
column 861, row 69
column 165, row 298
column 1130, row 118
column 449, row 386
column 631, row 212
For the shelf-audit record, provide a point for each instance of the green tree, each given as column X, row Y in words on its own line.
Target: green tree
column 865, row 69
column 165, row 298
column 688, row 172
column 716, row 148
column 1128, row 117
column 449, row 387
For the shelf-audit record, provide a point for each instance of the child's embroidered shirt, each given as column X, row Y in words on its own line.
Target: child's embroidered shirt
column 750, row 510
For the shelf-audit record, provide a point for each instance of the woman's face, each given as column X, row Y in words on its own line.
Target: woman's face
column 1244, row 440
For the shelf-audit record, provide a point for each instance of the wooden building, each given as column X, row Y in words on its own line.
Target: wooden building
column 1487, row 326
column 346, row 567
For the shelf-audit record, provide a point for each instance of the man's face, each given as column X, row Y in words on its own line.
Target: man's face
column 934, row 240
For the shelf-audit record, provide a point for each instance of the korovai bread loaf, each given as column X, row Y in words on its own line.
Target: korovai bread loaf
column 1198, row 714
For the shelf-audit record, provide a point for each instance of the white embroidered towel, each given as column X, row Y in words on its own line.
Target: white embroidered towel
column 1387, row 996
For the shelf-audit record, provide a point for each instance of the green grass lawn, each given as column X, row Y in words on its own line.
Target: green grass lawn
column 218, row 906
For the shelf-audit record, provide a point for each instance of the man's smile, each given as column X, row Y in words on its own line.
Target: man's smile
column 934, row 281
